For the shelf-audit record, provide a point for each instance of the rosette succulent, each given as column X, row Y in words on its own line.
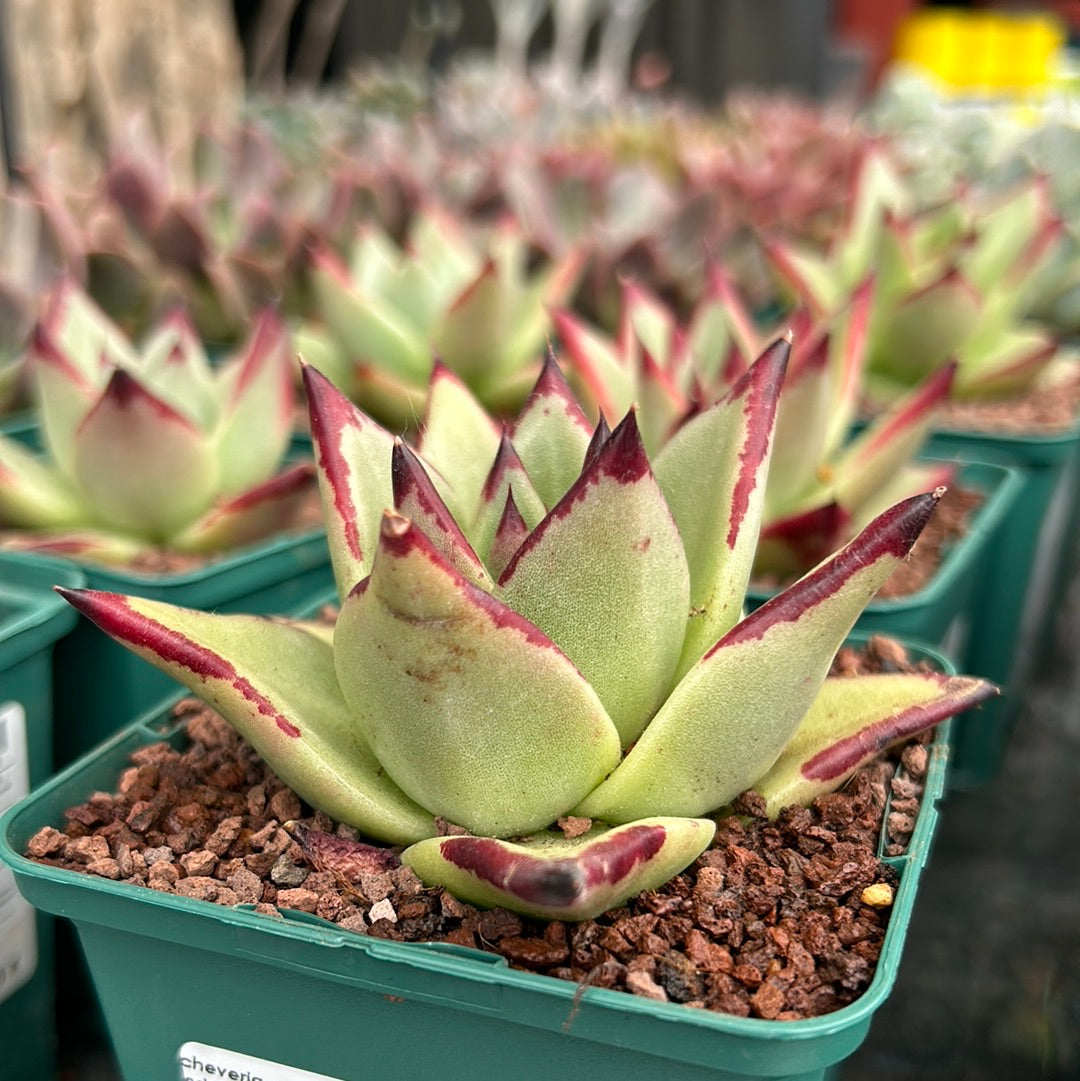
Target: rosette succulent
column 150, row 447
column 950, row 283
column 541, row 622
column 476, row 305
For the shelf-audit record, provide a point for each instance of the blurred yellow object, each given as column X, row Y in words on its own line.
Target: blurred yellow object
column 985, row 52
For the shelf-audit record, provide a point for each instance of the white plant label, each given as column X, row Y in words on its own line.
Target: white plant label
column 202, row 1062
column 18, row 932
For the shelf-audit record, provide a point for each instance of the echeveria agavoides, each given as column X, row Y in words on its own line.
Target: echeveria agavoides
column 151, row 446
column 585, row 655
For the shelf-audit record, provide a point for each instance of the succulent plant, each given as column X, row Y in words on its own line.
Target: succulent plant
column 539, row 623
column 150, row 447
column 824, row 486
column 475, row 306
column 950, row 283
column 34, row 255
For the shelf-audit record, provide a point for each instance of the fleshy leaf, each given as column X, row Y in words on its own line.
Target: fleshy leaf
column 32, row 494
column 922, row 331
column 712, row 473
column 802, row 427
column 372, row 330
column 254, row 427
column 551, row 434
column 89, row 545
column 854, row 719
column 459, row 440
column 553, row 878
column 470, row 708
column 259, row 512
column 507, row 476
column 175, row 364
column 601, row 372
column 64, row 393
column 415, row 498
column 275, row 684
column 729, row 719
column 609, row 548
column 874, row 457
column 140, row 464
column 352, row 453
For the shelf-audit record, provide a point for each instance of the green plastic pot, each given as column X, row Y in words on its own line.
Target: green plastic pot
column 941, row 612
column 184, row 983
column 1024, row 579
column 32, row 619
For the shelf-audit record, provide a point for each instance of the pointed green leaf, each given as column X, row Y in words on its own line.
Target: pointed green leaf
column 601, row 372
column 551, row 434
column 854, row 719
column 275, row 684
column 352, row 454
column 807, row 278
column 507, row 476
column 459, row 440
column 919, row 334
column 415, row 498
column 257, row 419
column 470, row 708
column 64, row 395
column 553, row 878
column 733, row 713
column 712, row 474
column 803, row 417
column 897, row 436
column 608, row 559
column 175, row 364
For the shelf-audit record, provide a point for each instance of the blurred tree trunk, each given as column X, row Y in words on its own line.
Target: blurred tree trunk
column 78, row 70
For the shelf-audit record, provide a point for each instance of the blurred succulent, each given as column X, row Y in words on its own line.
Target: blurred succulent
column 949, row 283
column 478, row 306
column 990, row 146
column 34, row 256
column 150, row 447
column 224, row 235
column 823, row 487
column 547, row 624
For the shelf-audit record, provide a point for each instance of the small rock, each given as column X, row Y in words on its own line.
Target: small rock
column 382, row 910
column 286, row 874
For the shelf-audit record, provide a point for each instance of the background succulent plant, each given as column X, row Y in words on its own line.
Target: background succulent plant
column 475, row 304
column 824, row 486
column 949, row 283
column 150, row 447
column 544, row 624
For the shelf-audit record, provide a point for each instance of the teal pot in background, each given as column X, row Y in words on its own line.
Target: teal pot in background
column 1025, row 575
column 941, row 612
column 32, row 619
column 185, row 983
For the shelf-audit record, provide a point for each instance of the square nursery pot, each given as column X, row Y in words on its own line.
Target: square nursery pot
column 1028, row 568
column 98, row 681
column 192, row 990
column 941, row 612
column 32, row 619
